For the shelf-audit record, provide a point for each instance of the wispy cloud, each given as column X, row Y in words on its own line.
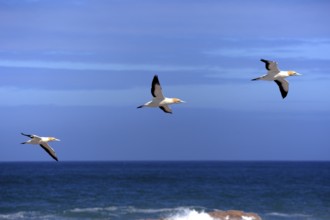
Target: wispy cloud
column 305, row 49
column 211, row 71
column 21, row 97
column 93, row 66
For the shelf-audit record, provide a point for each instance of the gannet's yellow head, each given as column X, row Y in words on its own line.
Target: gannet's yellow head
column 53, row 139
column 293, row 73
column 177, row 101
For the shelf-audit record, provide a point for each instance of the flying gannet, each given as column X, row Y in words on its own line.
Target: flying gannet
column 42, row 141
column 278, row 76
column 159, row 99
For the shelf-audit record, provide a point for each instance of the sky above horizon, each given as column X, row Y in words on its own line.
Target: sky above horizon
column 77, row 70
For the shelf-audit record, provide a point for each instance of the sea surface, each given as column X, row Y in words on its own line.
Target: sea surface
column 155, row 190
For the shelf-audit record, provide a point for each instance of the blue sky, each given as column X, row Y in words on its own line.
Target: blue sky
column 77, row 70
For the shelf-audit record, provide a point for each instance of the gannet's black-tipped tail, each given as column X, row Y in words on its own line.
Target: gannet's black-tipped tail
column 140, row 106
column 27, row 135
column 23, row 143
column 256, row 79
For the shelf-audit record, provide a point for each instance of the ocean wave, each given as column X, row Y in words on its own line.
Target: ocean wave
column 130, row 209
column 94, row 209
column 17, row 215
column 26, row 215
column 131, row 212
column 177, row 213
column 215, row 215
column 190, row 215
column 160, row 210
column 286, row 215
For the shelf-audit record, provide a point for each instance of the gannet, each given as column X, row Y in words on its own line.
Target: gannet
column 159, row 99
column 274, row 74
column 42, row 141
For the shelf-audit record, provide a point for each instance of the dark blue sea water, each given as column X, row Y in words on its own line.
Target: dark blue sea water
column 153, row 190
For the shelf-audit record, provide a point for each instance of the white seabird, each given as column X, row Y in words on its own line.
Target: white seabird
column 278, row 76
column 159, row 99
column 42, row 141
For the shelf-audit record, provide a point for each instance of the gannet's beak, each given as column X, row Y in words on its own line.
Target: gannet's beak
column 57, row 139
column 181, row 101
column 298, row 74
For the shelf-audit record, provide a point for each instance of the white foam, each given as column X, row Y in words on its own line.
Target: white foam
column 25, row 215
column 248, row 218
column 161, row 210
column 130, row 209
column 285, row 215
column 138, row 210
column 94, row 209
column 191, row 215
column 86, row 209
column 16, row 215
column 178, row 213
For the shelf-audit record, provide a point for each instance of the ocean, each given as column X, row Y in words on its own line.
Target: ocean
column 163, row 190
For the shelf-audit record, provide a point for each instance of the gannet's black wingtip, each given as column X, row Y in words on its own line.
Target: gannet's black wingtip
column 166, row 110
column 284, row 93
column 155, row 81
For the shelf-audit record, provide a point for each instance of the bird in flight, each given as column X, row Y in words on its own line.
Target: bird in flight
column 159, row 100
column 278, row 76
column 43, row 142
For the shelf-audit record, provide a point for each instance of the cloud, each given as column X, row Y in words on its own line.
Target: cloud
column 210, row 71
column 38, row 97
column 289, row 48
column 92, row 66
column 239, row 73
